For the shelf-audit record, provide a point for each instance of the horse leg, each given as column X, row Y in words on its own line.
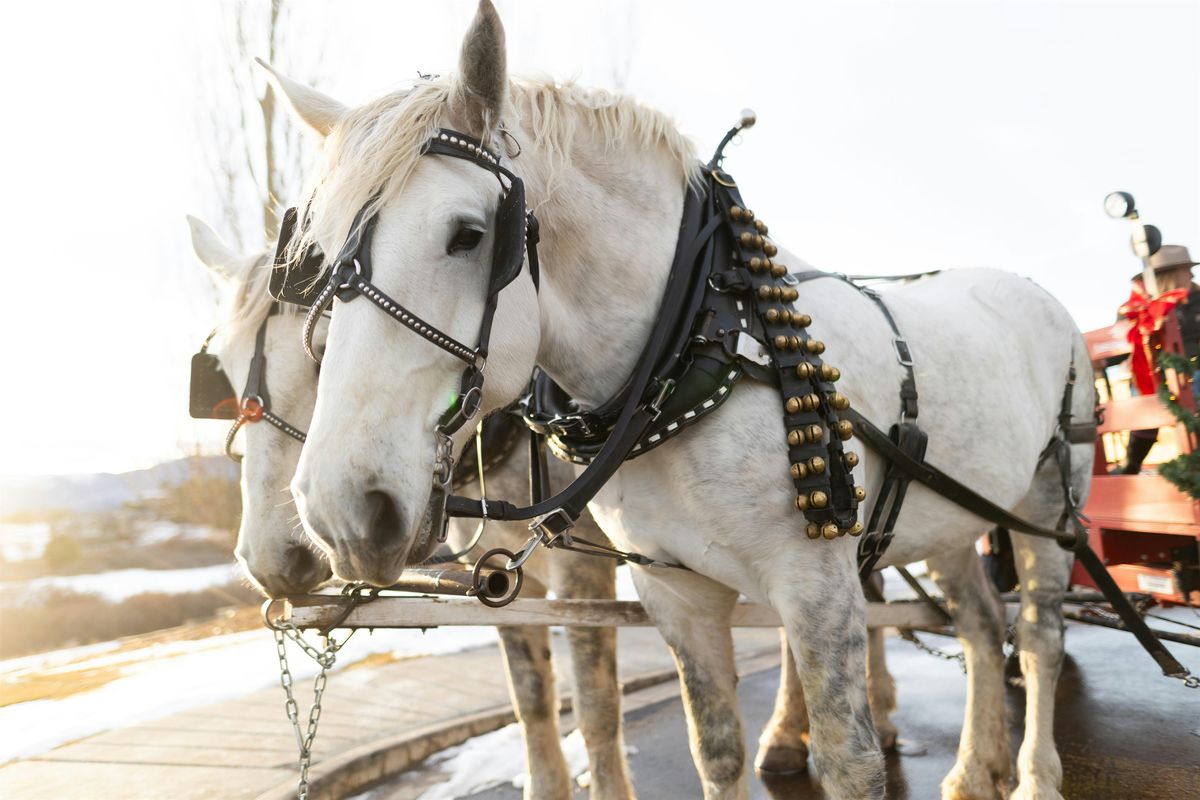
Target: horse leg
column 984, row 760
column 881, row 686
column 881, row 690
column 597, row 692
column 531, row 685
column 783, row 746
column 1044, row 569
column 693, row 613
column 824, row 612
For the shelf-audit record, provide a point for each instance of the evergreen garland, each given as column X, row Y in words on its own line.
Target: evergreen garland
column 1184, row 470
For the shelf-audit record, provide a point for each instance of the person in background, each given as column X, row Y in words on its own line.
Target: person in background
column 1172, row 266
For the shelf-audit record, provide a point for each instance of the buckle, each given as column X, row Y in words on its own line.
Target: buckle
column 903, row 354
column 553, row 523
column 660, row 399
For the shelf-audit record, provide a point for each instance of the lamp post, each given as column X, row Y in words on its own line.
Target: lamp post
column 1145, row 240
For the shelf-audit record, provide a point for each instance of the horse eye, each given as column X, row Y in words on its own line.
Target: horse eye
column 464, row 240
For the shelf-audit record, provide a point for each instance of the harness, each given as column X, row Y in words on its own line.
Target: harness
column 726, row 311
column 211, row 395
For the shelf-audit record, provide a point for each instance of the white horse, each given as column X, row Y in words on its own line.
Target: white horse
column 279, row 562
column 606, row 178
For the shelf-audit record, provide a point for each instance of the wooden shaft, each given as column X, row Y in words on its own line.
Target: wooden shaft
column 451, row 580
column 316, row 611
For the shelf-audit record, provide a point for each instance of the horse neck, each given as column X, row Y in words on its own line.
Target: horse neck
column 609, row 221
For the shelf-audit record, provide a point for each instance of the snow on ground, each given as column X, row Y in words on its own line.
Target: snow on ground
column 167, row 678
column 121, row 584
column 23, row 541
column 165, row 530
column 490, row 760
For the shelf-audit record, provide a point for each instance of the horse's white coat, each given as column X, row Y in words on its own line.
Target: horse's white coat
column 992, row 353
column 272, row 548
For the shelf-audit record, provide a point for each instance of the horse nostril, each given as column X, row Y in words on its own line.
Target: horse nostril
column 384, row 519
column 301, row 565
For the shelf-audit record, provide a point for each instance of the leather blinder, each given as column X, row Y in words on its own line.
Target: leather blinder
column 211, row 395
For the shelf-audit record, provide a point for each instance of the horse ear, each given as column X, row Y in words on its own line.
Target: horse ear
column 211, row 249
column 483, row 72
column 318, row 111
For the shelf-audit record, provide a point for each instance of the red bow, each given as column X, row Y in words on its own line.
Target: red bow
column 1147, row 315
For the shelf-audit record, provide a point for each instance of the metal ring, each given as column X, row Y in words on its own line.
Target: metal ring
column 357, row 271
column 716, row 177
column 471, row 401
column 477, row 581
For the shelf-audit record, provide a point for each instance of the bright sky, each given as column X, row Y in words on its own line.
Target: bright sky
column 892, row 137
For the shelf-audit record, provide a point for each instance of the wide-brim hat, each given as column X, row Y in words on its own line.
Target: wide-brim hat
column 1170, row 256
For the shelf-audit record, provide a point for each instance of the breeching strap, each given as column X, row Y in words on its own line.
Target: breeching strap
column 937, row 481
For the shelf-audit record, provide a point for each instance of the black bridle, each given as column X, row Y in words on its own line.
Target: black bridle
column 255, row 404
column 212, row 395
column 515, row 235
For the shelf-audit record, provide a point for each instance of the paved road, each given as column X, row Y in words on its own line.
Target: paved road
column 1123, row 732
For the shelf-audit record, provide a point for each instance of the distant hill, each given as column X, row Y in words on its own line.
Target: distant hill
column 102, row 491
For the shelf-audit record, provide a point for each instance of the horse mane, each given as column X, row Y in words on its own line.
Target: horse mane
column 372, row 152
column 249, row 303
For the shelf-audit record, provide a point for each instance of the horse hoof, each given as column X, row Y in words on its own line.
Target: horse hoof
column 779, row 760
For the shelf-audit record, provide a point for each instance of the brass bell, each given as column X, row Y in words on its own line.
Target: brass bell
column 844, row 429
column 829, row 373
column 758, row 242
column 747, row 239
column 778, row 270
column 798, row 471
column 830, row 530
column 781, row 342
column 810, row 402
column 851, row 460
column 792, row 405
column 776, row 292
column 855, row 529
column 818, row 499
column 812, row 530
column 764, row 292
column 790, row 294
column 772, row 315
column 748, row 215
column 815, row 346
column 839, row 401
column 804, row 370
column 801, row 320
column 860, row 493
column 736, row 213
column 795, row 437
column 755, row 264
column 814, row 433
column 801, row 502
column 770, row 249
column 793, row 342
column 760, row 226
column 816, row 464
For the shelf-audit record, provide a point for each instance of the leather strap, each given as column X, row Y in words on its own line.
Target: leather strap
column 941, row 483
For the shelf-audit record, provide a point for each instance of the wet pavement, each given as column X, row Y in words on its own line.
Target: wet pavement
column 1123, row 731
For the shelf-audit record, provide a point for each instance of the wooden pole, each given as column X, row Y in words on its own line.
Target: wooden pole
column 316, row 611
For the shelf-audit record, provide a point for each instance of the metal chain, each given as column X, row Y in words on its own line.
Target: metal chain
column 936, row 652
column 325, row 659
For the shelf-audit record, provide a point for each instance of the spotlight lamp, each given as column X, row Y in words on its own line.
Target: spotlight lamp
column 1120, row 205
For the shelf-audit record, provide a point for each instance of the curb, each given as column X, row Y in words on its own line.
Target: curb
column 359, row 768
